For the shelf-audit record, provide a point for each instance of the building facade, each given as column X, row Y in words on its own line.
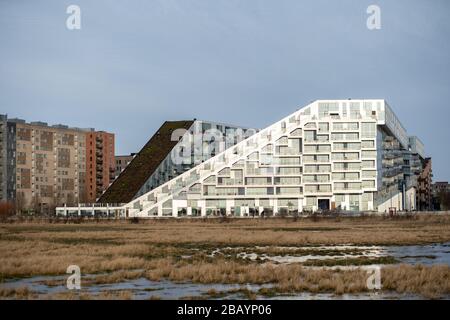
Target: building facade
column 46, row 166
column 346, row 155
column 177, row 146
column 418, row 175
column 3, row 157
column 440, row 186
column 425, row 188
column 100, row 163
column 122, row 162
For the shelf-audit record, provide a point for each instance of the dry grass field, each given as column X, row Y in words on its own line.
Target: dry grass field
column 179, row 250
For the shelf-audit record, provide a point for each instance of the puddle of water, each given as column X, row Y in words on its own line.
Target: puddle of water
column 421, row 254
column 427, row 254
column 143, row 288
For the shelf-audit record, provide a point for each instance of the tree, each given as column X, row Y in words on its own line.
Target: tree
column 51, row 207
column 20, row 202
column 6, row 210
column 70, row 200
column 36, row 205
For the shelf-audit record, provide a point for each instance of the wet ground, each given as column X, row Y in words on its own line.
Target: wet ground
column 145, row 289
column 417, row 254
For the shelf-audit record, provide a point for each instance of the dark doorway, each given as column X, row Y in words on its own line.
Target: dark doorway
column 324, row 204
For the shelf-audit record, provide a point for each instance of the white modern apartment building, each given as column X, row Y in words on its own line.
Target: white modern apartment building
column 329, row 155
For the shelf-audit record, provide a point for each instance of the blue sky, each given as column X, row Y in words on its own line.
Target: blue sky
column 135, row 63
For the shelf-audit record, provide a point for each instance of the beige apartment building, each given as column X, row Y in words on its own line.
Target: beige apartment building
column 122, row 162
column 48, row 166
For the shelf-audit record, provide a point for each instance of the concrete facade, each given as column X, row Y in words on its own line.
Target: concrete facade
column 346, row 155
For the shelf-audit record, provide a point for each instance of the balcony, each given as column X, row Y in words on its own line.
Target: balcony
column 231, row 182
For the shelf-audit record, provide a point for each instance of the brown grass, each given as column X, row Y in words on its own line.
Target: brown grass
column 15, row 293
column 156, row 249
column 38, row 248
column 431, row 282
column 74, row 295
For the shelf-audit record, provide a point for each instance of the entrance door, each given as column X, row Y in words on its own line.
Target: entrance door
column 324, row 204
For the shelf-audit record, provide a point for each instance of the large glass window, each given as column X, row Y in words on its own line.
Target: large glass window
column 368, row 130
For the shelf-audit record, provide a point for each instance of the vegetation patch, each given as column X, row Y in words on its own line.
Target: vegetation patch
column 359, row 261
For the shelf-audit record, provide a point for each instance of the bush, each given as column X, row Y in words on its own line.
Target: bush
column 6, row 210
column 134, row 220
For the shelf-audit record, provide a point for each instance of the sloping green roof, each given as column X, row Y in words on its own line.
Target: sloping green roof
column 129, row 182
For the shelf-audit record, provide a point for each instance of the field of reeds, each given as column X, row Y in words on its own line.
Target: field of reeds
column 182, row 251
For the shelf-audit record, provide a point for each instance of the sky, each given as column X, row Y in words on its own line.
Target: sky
column 135, row 64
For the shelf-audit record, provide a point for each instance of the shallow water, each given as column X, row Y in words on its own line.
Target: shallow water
column 141, row 288
column 144, row 289
column 414, row 254
column 427, row 254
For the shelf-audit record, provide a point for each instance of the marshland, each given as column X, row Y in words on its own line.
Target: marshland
column 304, row 258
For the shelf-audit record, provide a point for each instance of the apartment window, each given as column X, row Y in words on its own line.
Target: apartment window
column 368, row 164
column 287, row 181
column 259, row 191
column 346, row 176
column 355, row 110
column 288, row 190
column 369, row 174
column 344, row 136
column 345, row 156
column 337, row 126
column 339, row 198
column 354, row 202
column 322, row 138
column 324, row 148
column 288, row 160
column 347, row 185
column 323, row 127
column 368, row 154
column 344, row 110
column 258, row 181
column 347, row 146
column 368, row 130
column 311, row 201
column 367, row 144
column 368, row 184
column 310, row 136
column 288, row 170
